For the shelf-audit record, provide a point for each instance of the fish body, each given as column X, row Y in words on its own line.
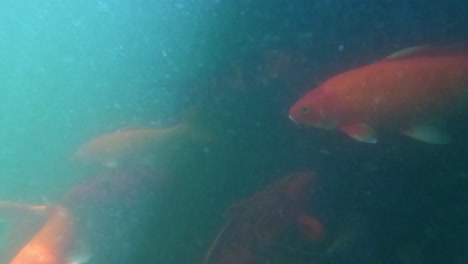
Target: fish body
column 413, row 91
column 262, row 220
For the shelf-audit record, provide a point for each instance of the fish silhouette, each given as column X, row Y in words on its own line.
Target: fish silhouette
column 263, row 219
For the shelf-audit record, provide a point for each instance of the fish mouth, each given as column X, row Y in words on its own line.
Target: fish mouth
column 292, row 119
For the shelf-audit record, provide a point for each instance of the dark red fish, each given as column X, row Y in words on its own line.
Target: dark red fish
column 263, row 219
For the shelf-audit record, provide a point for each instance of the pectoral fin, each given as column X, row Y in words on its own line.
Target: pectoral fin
column 427, row 133
column 80, row 253
column 360, row 132
column 310, row 228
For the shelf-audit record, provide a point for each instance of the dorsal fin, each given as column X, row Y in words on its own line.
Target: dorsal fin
column 427, row 50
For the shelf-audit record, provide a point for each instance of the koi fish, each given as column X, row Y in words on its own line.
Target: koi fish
column 53, row 243
column 264, row 219
column 414, row 91
column 110, row 149
column 19, row 222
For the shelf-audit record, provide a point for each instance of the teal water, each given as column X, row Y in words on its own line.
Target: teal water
column 73, row 70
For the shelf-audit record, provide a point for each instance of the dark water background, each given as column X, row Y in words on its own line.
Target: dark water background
column 404, row 191
column 102, row 65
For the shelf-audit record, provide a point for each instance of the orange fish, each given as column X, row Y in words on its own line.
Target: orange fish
column 262, row 220
column 21, row 222
column 414, row 91
column 53, row 243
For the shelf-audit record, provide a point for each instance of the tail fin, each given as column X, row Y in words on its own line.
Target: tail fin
column 14, row 210
column 193, row 125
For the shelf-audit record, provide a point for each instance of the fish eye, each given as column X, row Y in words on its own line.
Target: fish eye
column 305, row 110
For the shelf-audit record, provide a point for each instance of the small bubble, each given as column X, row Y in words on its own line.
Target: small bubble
column 340, row 47
column 206, row 149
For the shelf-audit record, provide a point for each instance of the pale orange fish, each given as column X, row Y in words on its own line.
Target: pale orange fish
column 110, row 149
